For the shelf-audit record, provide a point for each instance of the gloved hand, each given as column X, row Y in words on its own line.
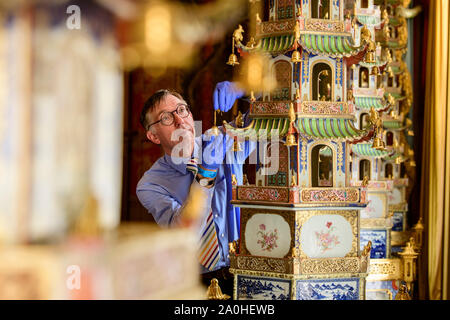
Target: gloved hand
column 225, row 94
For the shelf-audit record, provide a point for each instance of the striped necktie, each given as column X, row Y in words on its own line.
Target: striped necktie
column 192, row 166
column 209, row 245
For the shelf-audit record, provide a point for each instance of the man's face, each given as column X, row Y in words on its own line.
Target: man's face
column 180, row 131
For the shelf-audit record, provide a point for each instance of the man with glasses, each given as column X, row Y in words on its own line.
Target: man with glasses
column 164, row 188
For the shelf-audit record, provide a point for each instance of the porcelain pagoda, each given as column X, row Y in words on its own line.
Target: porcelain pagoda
column 300, row 226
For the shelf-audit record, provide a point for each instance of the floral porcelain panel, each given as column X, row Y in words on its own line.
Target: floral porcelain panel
column 375, row 207
column 395, row 196
column 268, row 235
column 326, row 236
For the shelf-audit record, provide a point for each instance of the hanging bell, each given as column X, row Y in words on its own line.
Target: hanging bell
column 377, row 144
column 232, row 60
column 296, row 57
column 412, row 163
column 369, row 57
column 398, row 160
column 290, row 140
column 410, row 133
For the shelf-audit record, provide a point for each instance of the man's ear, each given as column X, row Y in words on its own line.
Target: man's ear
column 152, row 137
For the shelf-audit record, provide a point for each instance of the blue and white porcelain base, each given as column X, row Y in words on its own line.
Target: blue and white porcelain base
column 381, row 242
column 255, row 287
column 382, row 290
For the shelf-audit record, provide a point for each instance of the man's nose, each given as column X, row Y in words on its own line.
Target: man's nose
column 177, row 119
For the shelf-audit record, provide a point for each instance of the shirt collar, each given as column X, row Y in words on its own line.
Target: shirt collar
column 179, row 163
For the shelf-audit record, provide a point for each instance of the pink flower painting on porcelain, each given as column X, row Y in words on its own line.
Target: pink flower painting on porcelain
column 267, row 239
column 326, row 240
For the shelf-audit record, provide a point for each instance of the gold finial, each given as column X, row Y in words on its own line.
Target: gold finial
column 367, row 248
column 291, row 112
column 390, row 99
column 233, row 247
column 365, row 34
column 350, row 96
column 365, row 181
column 239, row 120
column 297, row 30
column 88, row 224
column 215, row 128
column 214, row 292
column 398, row 160
column 234, row 181
column 402, row 293
column 293, row 181
column 245, row 180
column 258, row 19
column 251, row 43
column 375, row 71
column 237, row 34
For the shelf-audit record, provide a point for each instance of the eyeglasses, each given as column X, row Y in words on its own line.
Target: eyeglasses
column 167, row 118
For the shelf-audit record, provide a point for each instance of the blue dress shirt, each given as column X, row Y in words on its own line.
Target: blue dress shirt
column 164, row 188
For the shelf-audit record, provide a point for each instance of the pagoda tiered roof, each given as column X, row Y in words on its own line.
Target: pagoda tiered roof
column 329, row 128
column 395, row 95
column 366, row 150
column 336, row 46
column 366, row 103
column 276, row 44
column 378, row 63
column 260, row 127
column 393, row 124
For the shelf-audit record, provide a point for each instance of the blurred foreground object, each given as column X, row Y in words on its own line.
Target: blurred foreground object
column 60, row 120
column 167, row 34
column 137, row 261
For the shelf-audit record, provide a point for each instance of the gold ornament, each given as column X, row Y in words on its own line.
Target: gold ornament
column 232, row 60
column 214, row 292
column 215, row 129
column 296, row 57
column 378, row 144
column 234, row 181
column 375, row 71
column 293, row 181
column 290, row 140
column 402, row 293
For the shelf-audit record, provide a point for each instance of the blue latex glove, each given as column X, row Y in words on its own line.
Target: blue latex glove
column 225, row 94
